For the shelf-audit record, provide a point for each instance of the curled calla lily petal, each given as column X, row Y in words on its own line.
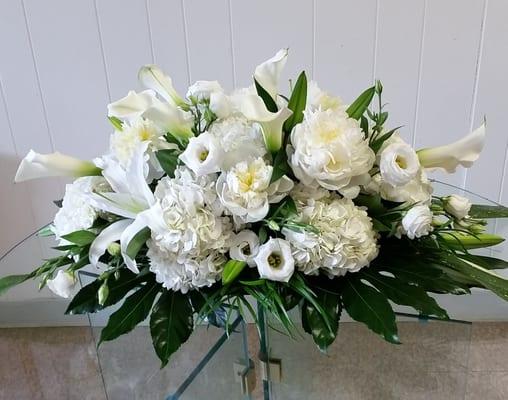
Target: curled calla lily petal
column 133, row 105
column 267, row 74
column 109, row 235
column 36, row 165
column 126, row 237
column 171, row 119
column 253, row 107
column 152, row 77
column 462, row 152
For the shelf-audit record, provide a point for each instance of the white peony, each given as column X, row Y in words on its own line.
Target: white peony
column 189, row 235
column 237, row 138
column 63, row 284
column 202, row 90
column 77, row 212
column 346, row 241
column 318, row 99
column 417, row 222
column 398, row 164
column 246, row 192
column 457, row 206
column 274, row 261
column 203, row 154
column 329, row 148
column 244, row 247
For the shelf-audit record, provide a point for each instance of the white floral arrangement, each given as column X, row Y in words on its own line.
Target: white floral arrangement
column 208, row 201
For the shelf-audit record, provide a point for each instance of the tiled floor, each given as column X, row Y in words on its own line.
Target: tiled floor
column 437, row 361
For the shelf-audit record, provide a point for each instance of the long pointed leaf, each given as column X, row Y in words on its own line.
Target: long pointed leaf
column 358, row 107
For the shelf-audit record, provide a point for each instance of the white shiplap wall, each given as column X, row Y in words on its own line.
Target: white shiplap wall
column 443, row 65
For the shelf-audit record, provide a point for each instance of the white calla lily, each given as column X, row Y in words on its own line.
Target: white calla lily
column 267, row 74
column 109, row 235
column 170, row 118
column 152, row 77
column 133, row 105
column 253, row 108
column 36, row 165
column 462, row 152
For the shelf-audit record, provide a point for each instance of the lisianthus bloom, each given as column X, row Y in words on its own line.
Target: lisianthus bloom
column 417, row 222
column 275, row 261
column 458, row 206
column 63, row 284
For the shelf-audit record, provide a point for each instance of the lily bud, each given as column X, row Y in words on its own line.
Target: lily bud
column 462, row 152
column 36, row 165
column 459, row 241
column 103, row 293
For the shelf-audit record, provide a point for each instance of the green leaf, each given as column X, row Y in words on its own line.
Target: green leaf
column 297, row 103
column 81, row 238
column 280, row 165
column 359, row 106
column 314, row 323
column 134, row 310
column 461, row 241
column 486, row 262
column 87, row 301
column 46, row 231
column 171, row 324
column 270, row 103
column 118, row 124
column 365, row 304
column 12, row 280
column 137, row 242
column 487, row 278
column 377, row 143
column 168, row 159
column 404, row 294
column 232, row 269
column 483, row 211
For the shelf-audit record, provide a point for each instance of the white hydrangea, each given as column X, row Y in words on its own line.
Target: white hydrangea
column 189, row 235
column 329, row 148
column 76, row 212
column 246, row 192
column 238, row 137
column 346, row 241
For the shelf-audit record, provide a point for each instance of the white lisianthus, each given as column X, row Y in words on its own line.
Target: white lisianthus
column 36, row 165
column 203, row 154
column 398, row 164
column 202, row 90
column 329, row 148
column 221, row 105
column 246, row 192
column 63, row 284
column 189, row 235
column 77, row 212
column 457, row 206
column 346, row 241
column 319, row 99
column 275, row 261
column 463, row 152
column 238, row 137
column 267, row 74
column 244, row 247
column 417, row 222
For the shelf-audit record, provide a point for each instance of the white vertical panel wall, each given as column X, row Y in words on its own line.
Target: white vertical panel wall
column 443, row 65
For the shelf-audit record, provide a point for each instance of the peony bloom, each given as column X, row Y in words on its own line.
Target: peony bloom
column 244, row 247
column 77, row 212
column 203, row 154
column 457, row 206
column 417, row 222
column 329, row 148
column 346, row 241
column 189, row 235
column 398, row 164
column 246, row 192
column 274, row 261
column 63, row 284
column 318, row 99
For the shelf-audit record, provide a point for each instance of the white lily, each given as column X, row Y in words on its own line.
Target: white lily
column 267, row 74
column 253, row 107
column 462, row 152
column 133, row 105
column 36, row 165
column 109, row 235
column 170, row 118
column 152, row 77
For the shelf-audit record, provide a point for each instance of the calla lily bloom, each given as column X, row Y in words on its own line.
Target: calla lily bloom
column 253, row 107
column 36, row 165
column 133, row 105
column 268, row 73
column 152, row 77
column 462, row 152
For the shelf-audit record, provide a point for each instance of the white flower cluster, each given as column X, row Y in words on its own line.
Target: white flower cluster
column 207, row 172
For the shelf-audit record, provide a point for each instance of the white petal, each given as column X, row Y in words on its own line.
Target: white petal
column 109, row 235
column 132, row 105
column 152, row 77
column 136, row 176
column 127, row 235
column 268, row 73
column 171, row 119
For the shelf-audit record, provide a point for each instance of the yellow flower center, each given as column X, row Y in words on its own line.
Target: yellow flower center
column 203, row 155
column 275, row 260
column 401, row 162
column 145, row 134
